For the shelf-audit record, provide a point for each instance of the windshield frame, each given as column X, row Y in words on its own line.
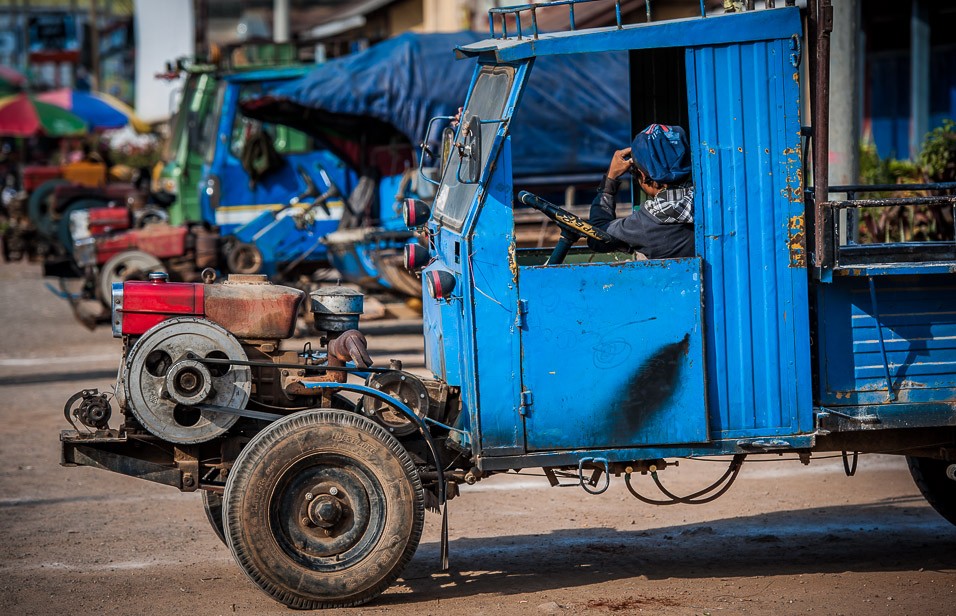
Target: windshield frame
column 209, row 131
column 454, row 199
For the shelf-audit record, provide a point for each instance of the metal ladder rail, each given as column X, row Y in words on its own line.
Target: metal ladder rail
column 518, row 9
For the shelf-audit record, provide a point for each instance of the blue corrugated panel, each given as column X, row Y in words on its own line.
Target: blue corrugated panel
column 744, row 110
column 917, row 316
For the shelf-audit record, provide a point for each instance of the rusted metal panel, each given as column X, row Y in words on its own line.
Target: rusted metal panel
column 253, row 308
column 745, row 125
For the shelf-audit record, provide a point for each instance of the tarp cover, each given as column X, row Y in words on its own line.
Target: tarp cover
column 573, row 114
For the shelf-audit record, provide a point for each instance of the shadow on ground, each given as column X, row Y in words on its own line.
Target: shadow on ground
column 891, row 535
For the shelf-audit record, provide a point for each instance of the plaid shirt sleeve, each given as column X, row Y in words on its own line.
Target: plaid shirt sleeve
column 672, row 206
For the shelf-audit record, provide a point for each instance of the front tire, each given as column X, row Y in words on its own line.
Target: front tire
column 937, row 487
column 323, row 509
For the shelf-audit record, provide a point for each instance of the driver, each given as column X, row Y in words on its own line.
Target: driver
column 662, row 228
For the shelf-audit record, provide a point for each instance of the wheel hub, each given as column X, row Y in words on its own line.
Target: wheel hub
column 325, row 511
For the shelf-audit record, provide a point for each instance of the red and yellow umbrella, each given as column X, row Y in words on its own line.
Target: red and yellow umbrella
column 22, row 115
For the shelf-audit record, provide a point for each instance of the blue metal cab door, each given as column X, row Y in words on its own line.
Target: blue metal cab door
column 612, row 354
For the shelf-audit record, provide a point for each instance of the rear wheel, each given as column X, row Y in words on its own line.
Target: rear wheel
column 936, row 480
column 129, row 265
column 64, row 230
column 39, row 207
column 323, row 508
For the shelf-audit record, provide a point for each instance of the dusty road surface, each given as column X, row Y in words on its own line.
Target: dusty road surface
column 786, row 539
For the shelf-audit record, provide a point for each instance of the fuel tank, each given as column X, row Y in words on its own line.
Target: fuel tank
column 248, row 306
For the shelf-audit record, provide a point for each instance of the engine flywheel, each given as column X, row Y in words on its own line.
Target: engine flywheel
column 161, row 382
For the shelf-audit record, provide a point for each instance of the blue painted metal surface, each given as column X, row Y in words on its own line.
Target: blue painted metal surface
column 917, row 317
column 745, row 135
column 631, row 331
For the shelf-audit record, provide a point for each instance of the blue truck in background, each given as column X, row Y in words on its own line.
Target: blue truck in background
column 253, row 172
column 780, row 336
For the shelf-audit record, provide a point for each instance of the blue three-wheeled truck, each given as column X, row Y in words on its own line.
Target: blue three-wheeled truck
column 780, row 335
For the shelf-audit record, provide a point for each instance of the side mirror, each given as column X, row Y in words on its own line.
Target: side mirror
column 447, row 143
column 469, row 166
column 425, row 150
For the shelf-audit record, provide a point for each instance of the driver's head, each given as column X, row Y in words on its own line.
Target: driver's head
column 661, row 154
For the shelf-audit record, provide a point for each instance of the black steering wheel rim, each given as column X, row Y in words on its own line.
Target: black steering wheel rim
column 570, row 223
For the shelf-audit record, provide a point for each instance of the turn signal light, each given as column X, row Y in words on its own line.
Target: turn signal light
column 415, row 213
column 440, row 283
column 416, row 257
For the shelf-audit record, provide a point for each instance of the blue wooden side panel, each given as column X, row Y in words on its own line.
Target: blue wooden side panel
column 745, row 124
column 612, row 354
column 917, row 315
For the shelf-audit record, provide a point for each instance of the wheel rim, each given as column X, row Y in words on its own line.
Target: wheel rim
column 327, row 512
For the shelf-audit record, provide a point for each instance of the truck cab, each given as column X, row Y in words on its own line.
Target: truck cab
column 229, row 197
column 703, row 354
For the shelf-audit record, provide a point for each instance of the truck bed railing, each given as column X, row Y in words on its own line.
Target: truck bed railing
column 840, row 255
column 516, row 10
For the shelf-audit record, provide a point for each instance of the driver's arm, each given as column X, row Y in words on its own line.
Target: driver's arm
column 603, row 214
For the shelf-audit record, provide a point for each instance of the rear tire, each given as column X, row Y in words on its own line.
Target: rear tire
column 323, row 509
column 39, row 207
column 63, row 231
column 128, row 265
column 937, row 488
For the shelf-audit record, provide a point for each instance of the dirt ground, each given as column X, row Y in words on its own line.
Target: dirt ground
column 786, row 539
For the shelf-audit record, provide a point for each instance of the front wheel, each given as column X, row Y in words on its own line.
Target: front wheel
column 323, row 509
column 936, row 480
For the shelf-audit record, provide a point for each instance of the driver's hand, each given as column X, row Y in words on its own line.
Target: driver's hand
column 620, row 163
column 457, row 119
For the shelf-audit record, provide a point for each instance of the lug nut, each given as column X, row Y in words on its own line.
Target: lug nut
column 333, row 491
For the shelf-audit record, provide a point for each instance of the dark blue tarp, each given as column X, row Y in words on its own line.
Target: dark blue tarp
column 572, row 117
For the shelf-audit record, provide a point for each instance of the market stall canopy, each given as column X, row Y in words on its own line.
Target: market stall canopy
column 11, row 80
column 573, row 115
column 25, row 116
column 100, row 111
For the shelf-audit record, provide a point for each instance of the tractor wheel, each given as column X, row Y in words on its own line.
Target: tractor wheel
column 323, row 509
column 212, row 504
column 129, row 265
column 64, row 232
column 244, row 258
column 936, row 480
column 39, row 207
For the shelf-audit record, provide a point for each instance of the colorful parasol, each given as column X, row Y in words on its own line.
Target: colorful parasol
column 101, row 111
column 24, row 116
column 11, row 81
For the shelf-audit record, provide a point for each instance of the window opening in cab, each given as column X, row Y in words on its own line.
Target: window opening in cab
column 210, row 124
column 285, row 140
column 605, row 99
column 487, row 101
column 185, row 115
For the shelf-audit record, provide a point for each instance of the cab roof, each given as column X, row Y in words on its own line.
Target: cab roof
column 766, row 24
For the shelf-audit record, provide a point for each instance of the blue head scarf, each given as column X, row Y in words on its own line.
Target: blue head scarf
column 662, row 152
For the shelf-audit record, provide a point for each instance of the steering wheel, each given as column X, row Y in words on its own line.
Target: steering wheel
column 311, row 191
column 572, row 227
